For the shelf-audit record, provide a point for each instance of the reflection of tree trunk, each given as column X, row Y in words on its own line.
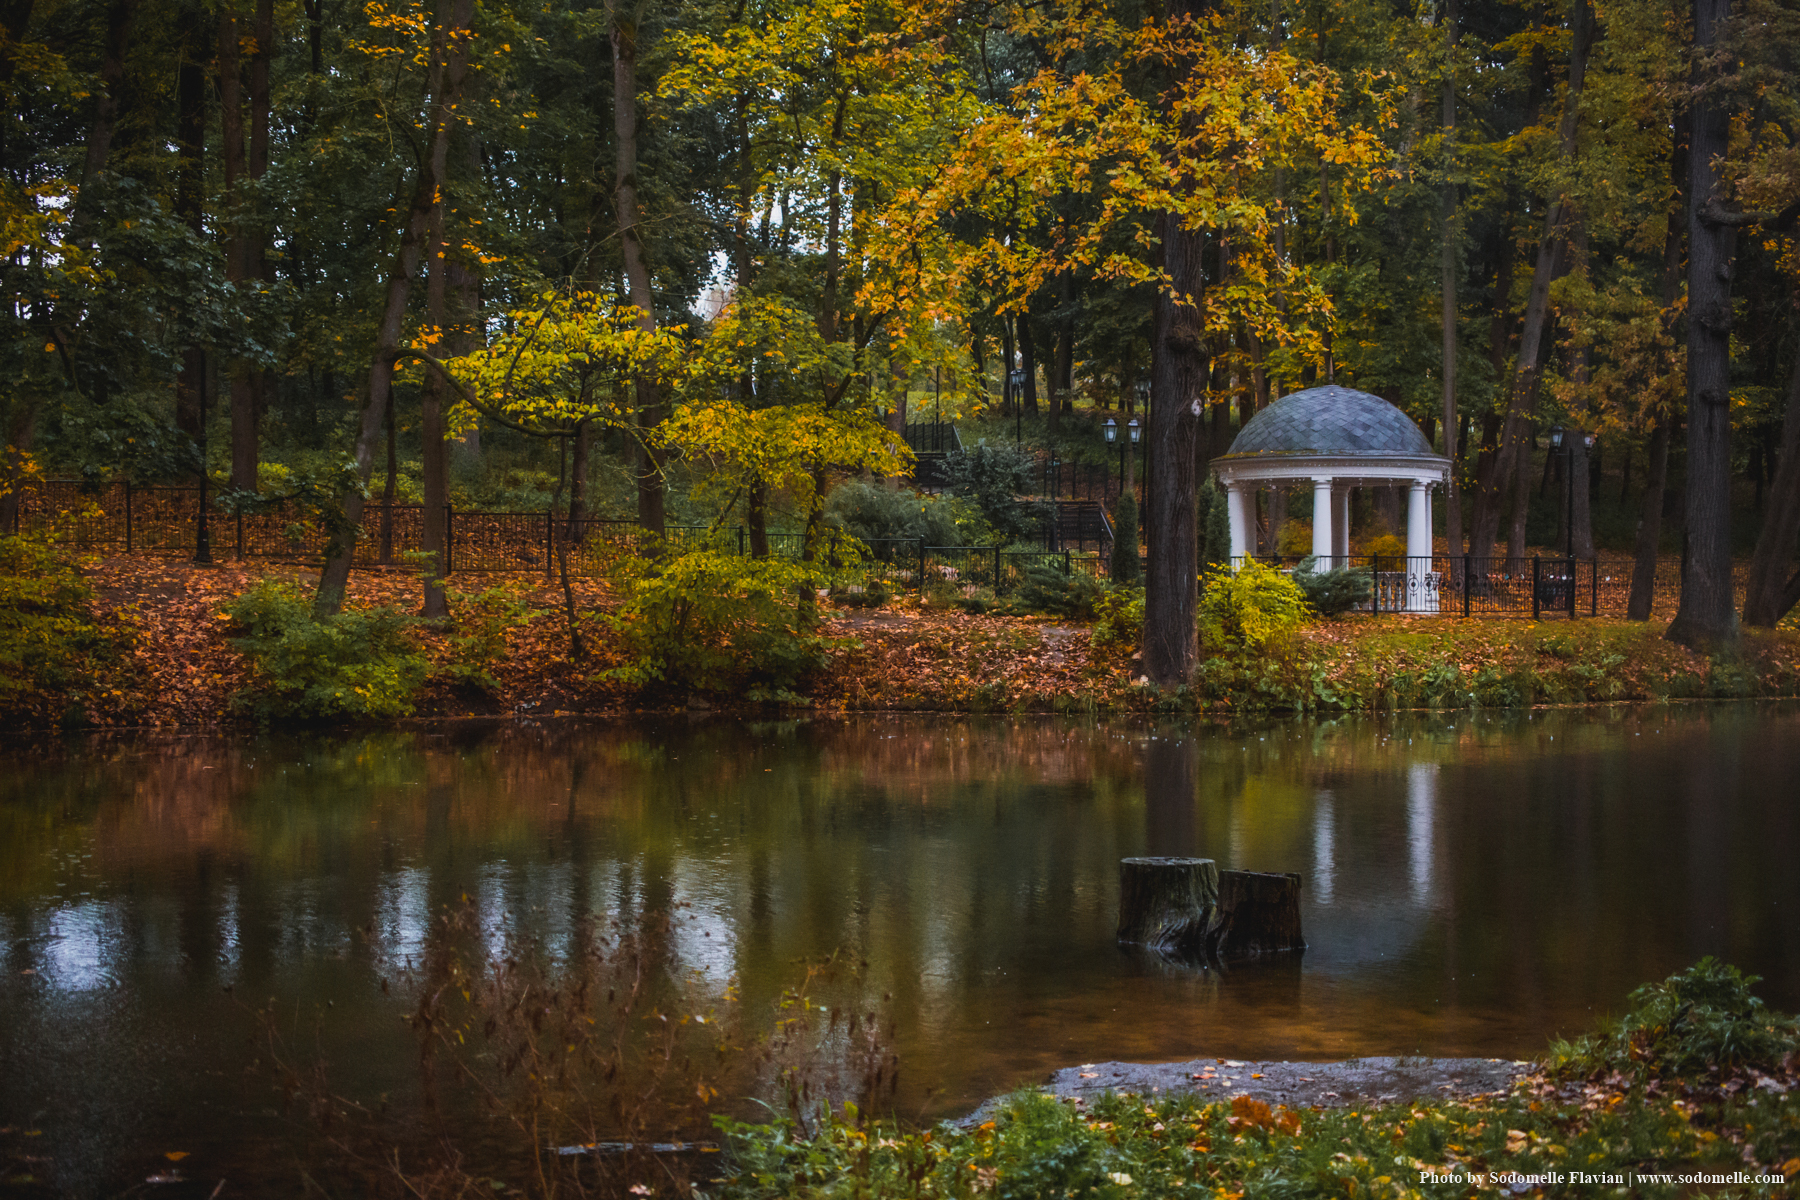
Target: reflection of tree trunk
column 1170, row 786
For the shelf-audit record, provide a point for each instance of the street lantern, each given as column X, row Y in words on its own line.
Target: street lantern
column 1111, row 429
column 1143, row 392
column 1135, row 430
column 1568, row 452
column 1016, row 377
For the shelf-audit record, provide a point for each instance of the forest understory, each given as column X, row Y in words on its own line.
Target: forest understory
column 178, row 666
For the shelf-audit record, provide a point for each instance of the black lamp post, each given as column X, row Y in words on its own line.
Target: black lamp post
column 1016, row 377
column 1568, row 453
column 202, row 534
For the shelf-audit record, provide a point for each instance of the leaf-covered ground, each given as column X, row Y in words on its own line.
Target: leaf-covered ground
column 906, row 657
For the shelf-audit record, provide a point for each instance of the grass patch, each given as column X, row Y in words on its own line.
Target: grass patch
column 1697, row 1079
column 1374, row 664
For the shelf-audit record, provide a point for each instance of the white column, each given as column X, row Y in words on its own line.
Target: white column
column 1418, row 521
column 1322, row 507
column 1419, row 597
column 1234, row 514
column 1340, row 525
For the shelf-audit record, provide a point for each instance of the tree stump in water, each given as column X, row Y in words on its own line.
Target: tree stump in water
column 1167, row 903
column 1258, row 912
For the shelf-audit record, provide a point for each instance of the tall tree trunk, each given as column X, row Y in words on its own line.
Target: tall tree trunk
column 1453, row 521
column 388, row 485
column 242, row 401
column 106, row 118
column 831, row 329
column 449, row 38
column 1649, row 527
column 1650, row 515
column 651, row 504
column 1773, row 588
column 1707, row 615
column 1028, row 360
column 190, row 186
column 1179, row 365
column 1511, row 466
column 578, row 476
column 259, row 271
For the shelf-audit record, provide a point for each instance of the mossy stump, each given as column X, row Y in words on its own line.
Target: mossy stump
column 1167, row 903
column 1258, row 912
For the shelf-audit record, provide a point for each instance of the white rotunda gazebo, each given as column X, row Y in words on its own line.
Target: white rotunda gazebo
column 1333, row 439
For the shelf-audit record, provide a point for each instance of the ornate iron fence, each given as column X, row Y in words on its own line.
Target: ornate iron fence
column 124, row 518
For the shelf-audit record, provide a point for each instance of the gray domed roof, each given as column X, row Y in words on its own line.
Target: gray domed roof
column 1331, row 420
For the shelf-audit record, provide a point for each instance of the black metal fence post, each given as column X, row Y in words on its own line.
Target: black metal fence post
column 1465, row 585
column 996, row 567
column 920, row 580
column 740, row 541
column 1571, row 574
column 1537, row 590
column 1375, row 577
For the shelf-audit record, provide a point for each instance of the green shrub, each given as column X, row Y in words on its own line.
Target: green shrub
column 712, row 621
column 1249, row 610
column 1697, row 1020
column 1047, row 589
column 58, row 662
column 1119, row 617
column 1295, row 537
column 1335, row 591
column 1125, row 565
column 357, row 665
column 481, row 623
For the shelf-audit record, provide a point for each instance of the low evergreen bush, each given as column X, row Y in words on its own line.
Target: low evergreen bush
column 873, row 513
column 1047, row 589
column 1699, row 1020
column 1125, row 566
column 1333, row 591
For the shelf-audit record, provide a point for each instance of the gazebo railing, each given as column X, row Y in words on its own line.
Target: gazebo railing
column 1462, row 585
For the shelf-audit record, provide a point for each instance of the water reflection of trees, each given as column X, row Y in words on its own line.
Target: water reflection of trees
column 1473, row 882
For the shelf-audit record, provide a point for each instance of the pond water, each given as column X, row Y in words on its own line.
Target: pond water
column 1473, row 884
